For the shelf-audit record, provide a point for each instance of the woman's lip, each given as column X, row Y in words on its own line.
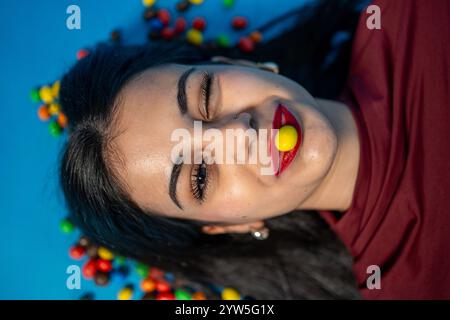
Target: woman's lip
column 281, row 160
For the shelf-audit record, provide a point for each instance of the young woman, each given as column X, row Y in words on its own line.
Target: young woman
column 366, row 163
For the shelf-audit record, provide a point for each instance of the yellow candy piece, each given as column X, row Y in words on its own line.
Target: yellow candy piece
column 286, row 138
column 148, row 3
column 230, row 294
column 105, row 253
column 45, row 93
column 125, row 294
column 55, row 89
column 196, row 1
column 194, row 36
column 54, row 108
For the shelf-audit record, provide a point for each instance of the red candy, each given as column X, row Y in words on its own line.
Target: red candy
column 168, row 33
column 162, row 286
column 164, row 16
column 104, row 265
column 180, row 25
column 89, row 269
column 199, row 23
column 165, row 296
column 82, row 53
column 246, row 44
column 239, row 23
column 155, row 273
column 77, row 252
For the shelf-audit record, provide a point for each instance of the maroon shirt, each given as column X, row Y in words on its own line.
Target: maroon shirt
column 399, row 93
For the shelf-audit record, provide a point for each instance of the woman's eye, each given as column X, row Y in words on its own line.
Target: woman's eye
column 199, row 181
column 205, row 87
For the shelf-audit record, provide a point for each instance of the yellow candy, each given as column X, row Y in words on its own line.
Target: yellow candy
column 194, row 36
column 148, row 3
column 55, row 89
column 125, row 294
column 196, row 1
column 45, row 93
column 230, row 294
column 105, row 253
column 286, row 138
column 54, row 108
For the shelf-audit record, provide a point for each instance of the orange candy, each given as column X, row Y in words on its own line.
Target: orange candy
column 148, row 285
column 198, row 296
column 256, row 36
column 62, row 120
column 43, row 113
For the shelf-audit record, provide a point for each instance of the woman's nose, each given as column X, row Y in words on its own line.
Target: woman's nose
column 238, row 136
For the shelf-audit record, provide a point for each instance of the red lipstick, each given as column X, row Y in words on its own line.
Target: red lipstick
column 281, row 160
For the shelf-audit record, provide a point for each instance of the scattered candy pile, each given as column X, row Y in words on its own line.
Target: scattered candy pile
column 162, row 26
column 102, row 265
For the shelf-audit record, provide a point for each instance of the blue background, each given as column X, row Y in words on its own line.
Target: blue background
column 36, row 49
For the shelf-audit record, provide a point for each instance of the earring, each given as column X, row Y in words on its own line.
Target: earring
column 260, row 234
column 269, row 66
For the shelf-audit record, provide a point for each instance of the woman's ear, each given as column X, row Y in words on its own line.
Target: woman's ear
column 235, row 228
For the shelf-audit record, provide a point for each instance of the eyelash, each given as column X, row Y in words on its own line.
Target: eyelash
column 199, row 184
column 205, row 89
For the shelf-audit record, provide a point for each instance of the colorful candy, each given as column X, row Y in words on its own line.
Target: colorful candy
column 66, row 226
column 34, row 95
column 286, row 138
column 165, row 296
column 43, row 113
column 230, row 294
column 256, row 36
column 181, row 294
column 183, row 5
column 101, row 278
column 196, row 2
column 223, row 40
column 104, row 265
column 105, row 254
column 199, row 23
column 168, row 33
column 142, row 270
column 180, row 25
column 148, row 3
column 55, row 89
column 45, row 93
column 89, row 269
column 239, row 23
column 126, row 293
column 62, row 120
column 194, row 37
column 164, row 16
column 198, row 296
column 162, row 285
column 228, row 3
column 54, row 128
column 77, row 252
column 148, row 285
column 54, row 108
column 82, row 53
column 246, row 44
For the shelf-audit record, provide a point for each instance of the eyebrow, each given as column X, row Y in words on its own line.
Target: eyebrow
column 182, row 106
column 176, row 169
column 181, row 94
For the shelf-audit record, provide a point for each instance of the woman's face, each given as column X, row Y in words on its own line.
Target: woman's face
column 241, row 97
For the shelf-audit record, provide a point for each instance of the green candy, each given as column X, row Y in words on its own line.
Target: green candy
column 66, row 226
column 181, row 294
column 223, row 41
column 54, row 128
column 228, row 3
column 34, row 94
column 120, row 260
column 142, row 270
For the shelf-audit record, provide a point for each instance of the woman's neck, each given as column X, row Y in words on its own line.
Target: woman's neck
column 337, row 189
